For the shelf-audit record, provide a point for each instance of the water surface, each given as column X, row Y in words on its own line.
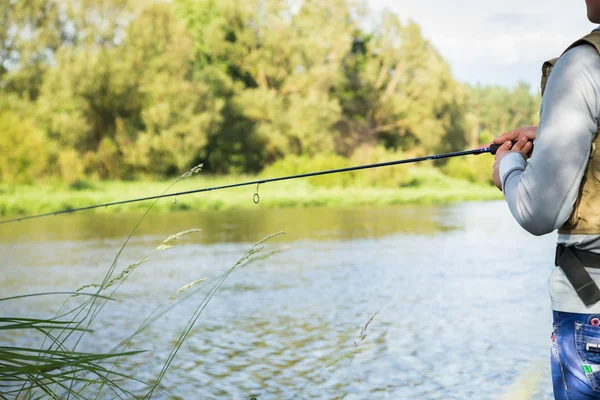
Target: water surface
column 460, row 295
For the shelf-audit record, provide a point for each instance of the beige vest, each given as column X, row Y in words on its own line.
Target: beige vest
column 585, row 219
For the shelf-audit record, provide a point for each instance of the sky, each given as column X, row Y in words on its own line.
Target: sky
column 495, row 42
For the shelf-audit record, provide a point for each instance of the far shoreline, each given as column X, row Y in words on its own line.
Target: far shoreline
column 21, row 200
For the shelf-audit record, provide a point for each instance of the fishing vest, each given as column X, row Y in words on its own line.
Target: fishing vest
column 585, row 218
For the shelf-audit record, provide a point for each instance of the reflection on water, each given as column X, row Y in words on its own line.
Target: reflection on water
column 460, row 294
column 235, row 226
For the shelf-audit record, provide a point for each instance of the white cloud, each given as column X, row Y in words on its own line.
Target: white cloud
column 495, row 42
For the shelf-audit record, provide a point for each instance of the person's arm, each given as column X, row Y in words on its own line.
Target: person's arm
column 541, row 192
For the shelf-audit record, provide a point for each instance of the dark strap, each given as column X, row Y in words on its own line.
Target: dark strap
column 573, row 263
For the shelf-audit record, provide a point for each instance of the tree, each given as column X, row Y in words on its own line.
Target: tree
column 128, row 88
column 30, row 32
column 23, row 148
column 492, row 110
column 397, row 90
column 125, row 101
column 279, row 65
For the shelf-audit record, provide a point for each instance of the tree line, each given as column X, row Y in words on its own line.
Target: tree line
column 133, row 89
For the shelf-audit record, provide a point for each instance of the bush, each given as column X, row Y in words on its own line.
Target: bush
column 472, row 169
column 71, row 166
column 23, row 149
column 390, row 177
column 294, row 165
column 477, row 169
column 81, row 185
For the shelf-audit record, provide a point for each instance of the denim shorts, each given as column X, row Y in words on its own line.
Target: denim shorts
column 575, row 357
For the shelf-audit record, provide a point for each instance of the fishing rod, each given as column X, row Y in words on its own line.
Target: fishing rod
column 256, row 198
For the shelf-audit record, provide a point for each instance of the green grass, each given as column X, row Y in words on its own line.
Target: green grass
column 426, row 187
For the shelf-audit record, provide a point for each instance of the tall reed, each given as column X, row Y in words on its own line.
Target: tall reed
column 57, row 369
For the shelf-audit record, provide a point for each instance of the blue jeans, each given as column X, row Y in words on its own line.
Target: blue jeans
column 575, row 357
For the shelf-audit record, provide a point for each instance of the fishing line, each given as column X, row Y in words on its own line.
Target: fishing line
column 256, row 198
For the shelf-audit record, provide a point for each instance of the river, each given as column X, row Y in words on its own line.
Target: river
column 460, row 294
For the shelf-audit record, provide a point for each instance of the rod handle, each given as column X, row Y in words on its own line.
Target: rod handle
column 494, row 147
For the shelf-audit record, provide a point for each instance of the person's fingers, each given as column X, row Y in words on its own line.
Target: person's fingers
column 508, row 136
column 526, row 150
column 503, row 138
column 505, row 146
column 530, row 132
column 518, row 146
column 530, row 152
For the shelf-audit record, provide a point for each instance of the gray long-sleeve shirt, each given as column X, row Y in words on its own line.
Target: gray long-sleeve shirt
column 542, row 191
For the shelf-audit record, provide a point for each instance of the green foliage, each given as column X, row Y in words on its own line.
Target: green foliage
column 23, row 148
column 123, row 89
column 80, row 185
column 476, row 169
column 129, row 107
column 493, row 110
column 294, row 165
column 398, row 91
column 278, row 67
column 29, row 34
column 392, row 177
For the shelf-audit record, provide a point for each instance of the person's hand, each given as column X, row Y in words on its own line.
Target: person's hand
column 523, row 146
column 517, row 134
column 528, row 131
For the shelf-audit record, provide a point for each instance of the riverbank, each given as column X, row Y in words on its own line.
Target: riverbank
column 32, row 199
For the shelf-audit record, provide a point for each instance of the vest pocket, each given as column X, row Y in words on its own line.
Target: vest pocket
column 587, row 342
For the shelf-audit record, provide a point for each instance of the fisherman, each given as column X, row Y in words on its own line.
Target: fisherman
column 557, row 186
